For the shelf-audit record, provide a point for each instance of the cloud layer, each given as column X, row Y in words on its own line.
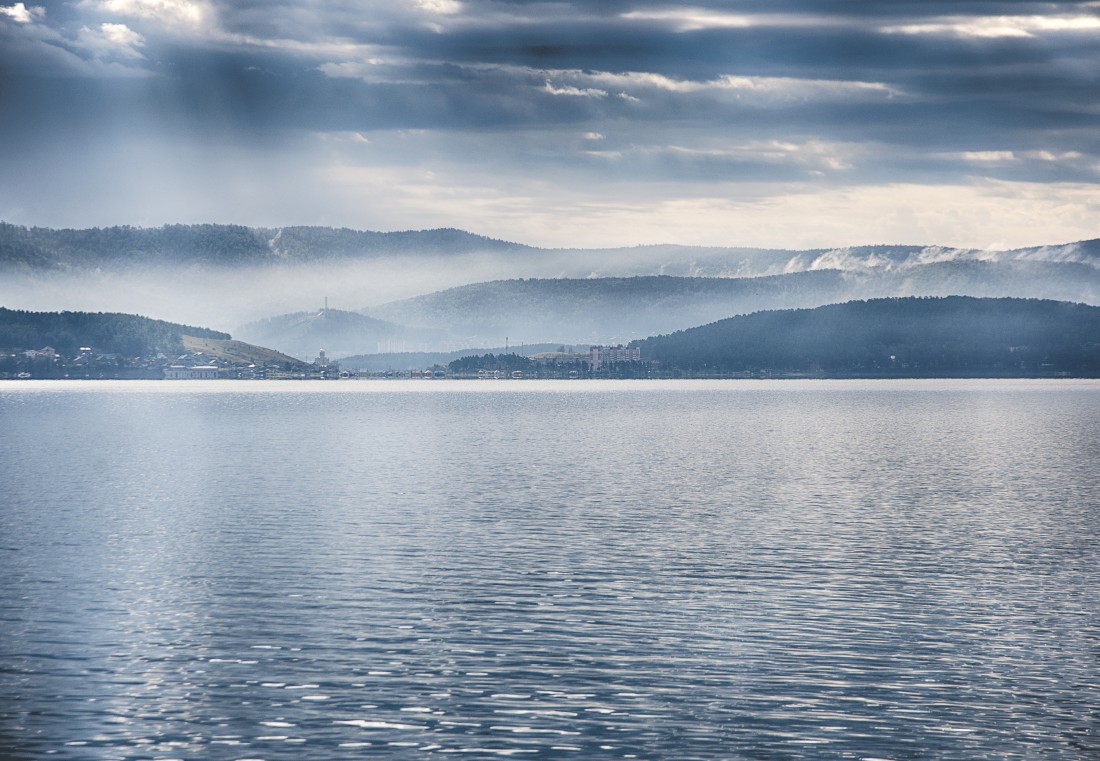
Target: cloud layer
column 766, row 123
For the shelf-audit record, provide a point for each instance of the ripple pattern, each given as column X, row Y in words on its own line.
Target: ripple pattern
column 652, row 570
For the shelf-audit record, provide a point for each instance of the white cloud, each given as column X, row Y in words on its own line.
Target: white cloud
column 779, row 87
column 111, row 41
column 988, row 156
column 589, row 92
column 693, row 19
column 444, row 7
column 120, row 34
column 187, row 12
column 344, row 137
column 104, row 52
column 999, row 157
column 199, row 18
column 1052, row 155
column 699, row 19
column 529, row 206
column 816, row 155
column 998, row 26
column 21, row 14
column 370, row 66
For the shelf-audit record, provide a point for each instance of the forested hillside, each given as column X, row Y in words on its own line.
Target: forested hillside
column 125, row 334
column 39, row 248
column 898, row 336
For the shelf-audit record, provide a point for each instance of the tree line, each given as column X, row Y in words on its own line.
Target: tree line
column 954, row 335
column 47, row 248
column 108, row 332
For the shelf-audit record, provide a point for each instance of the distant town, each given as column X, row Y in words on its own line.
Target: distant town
column 91, row 363
column 955, row 336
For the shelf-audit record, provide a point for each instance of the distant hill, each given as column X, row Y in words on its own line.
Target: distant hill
column 339, row 333
column 953, row 336
column 598, row 310
column 125, row 334
column 304, row 243
column 39, row 248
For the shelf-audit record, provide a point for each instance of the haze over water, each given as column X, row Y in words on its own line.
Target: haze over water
column 697, row 570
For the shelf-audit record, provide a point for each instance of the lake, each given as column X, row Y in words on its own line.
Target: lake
column 588, row 570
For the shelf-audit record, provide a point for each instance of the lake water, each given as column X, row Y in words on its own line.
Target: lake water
column 585, row 570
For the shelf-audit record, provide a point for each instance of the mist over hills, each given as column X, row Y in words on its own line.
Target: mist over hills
column 449, row 289
column 617, row 310
column 339, row 333
column 600, row 309
column 603, row 310
column 41, row 248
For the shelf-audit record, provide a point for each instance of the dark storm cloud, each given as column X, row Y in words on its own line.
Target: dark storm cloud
column 260, row 60
column 840, row 92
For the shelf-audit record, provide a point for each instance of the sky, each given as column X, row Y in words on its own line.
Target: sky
column 776, row 123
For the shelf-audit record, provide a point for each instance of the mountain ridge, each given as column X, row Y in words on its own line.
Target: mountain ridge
column 44, row 248
column 222, row 244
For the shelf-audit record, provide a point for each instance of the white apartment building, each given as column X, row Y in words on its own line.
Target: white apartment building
column 598, row 356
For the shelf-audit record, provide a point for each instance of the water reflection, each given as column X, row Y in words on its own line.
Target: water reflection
column 785, row 570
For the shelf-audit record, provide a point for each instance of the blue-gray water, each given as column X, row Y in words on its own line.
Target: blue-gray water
column 726, row 570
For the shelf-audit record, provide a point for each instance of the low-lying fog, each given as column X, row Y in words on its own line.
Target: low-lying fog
column 224, row 298
column 229, row 297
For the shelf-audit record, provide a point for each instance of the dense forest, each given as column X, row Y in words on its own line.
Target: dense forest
column 504, row 363
column 40, row 248
column 66, row 332
column 898, row 336
column 415, row 360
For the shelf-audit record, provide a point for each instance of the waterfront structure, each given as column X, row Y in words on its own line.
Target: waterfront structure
column 198, row 372
column 599, row 356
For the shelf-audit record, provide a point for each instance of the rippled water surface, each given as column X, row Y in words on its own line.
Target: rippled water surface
column 727, row 570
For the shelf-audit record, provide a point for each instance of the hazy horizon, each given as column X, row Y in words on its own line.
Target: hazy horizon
column 209, row 287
